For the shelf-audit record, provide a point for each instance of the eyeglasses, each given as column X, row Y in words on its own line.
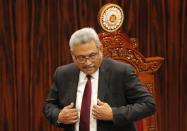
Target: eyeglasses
column 82, row 59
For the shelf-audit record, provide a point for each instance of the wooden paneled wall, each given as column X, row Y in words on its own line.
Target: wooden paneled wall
column 34, row 38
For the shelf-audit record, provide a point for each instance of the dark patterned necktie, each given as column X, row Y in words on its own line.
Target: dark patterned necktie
column 84, row 124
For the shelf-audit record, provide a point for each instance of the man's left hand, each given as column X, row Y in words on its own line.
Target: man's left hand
column 102, row 111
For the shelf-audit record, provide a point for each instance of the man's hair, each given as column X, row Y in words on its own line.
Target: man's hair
column 83, row 36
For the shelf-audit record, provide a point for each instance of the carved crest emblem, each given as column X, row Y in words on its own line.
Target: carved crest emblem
column 111, row 17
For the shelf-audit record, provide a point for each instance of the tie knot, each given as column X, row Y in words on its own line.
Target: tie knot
column 88, row 76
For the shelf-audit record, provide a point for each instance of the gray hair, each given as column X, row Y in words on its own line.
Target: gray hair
column 83, row 36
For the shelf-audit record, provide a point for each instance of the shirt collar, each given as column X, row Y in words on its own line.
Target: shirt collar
column 95, row 75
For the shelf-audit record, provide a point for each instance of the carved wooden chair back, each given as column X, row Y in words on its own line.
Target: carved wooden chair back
column 120, row 47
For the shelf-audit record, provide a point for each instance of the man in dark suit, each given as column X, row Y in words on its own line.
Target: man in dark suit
column 117, row 97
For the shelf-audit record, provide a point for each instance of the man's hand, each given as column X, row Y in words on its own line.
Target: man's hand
column 102, row 111
column 68, row 115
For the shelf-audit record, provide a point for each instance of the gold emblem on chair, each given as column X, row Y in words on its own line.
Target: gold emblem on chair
column 111, row 17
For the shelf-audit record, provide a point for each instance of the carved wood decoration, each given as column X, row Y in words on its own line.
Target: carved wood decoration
column 119, row 46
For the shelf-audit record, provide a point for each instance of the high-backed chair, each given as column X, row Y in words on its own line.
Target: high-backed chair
column 120, row 47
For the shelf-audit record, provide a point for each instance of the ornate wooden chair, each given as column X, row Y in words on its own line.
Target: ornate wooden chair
column 119, row 46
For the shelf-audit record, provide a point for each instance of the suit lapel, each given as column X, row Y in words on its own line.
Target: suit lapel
column 74, row 84
column 103, row 81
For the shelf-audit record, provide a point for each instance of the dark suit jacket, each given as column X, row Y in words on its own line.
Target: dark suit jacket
column 118, row 86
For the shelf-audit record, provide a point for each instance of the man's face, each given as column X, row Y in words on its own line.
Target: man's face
column 87, row 57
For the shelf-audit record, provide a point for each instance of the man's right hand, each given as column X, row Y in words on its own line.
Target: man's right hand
column 68, row 115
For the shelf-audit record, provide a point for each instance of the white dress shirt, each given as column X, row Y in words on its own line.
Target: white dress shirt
column 80, row 91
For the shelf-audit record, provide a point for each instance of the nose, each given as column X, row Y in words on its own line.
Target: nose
column 87, row 61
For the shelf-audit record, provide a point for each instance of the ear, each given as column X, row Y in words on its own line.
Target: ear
column 72, row 55
column 101, row 47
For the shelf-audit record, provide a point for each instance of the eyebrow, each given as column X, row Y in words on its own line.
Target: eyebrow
column 88, row 55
